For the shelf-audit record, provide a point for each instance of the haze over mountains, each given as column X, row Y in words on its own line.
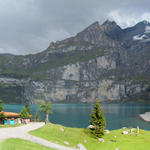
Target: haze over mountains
column 102, row 61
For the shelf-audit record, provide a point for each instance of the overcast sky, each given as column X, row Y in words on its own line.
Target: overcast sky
column 28, row 26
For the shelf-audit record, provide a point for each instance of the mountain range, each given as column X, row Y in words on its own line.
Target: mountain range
column 102, row 61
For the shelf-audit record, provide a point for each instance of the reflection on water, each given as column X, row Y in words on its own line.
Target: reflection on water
column 78, row 115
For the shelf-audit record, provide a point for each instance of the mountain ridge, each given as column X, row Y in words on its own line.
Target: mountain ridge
column 95, row 63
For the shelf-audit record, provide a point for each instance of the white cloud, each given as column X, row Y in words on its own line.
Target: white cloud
column 128, row 19
column 9, row 51
column 1, row 50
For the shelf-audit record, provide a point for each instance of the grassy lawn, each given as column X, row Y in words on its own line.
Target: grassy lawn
column 74, row 136
column 7, row 126
column 18, row 144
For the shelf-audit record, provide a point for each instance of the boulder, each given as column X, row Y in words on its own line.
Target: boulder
column 81, row 147
column 125, row 132
column 101, row 140
column 66, row 143
column 85, row 141
column 112, row 140
column 107, row 131
column 133, row 129
column 91, row 127
column 61, row 129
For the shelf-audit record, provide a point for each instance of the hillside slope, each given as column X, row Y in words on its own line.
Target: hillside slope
column 103, row 61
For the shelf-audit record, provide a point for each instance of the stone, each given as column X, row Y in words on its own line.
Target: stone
column 107, row 131
column 112, row 140
column 125, row 132
column 132, row 130
column 66, row 143
column 91, row 127
column 85, row 141
column 61, row 129
column 81, row 147
column 101, row 140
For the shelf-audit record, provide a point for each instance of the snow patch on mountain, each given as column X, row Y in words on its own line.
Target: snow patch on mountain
column 139, row 37
column 147, row 29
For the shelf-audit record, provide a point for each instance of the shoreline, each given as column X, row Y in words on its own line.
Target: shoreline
column 145, row 116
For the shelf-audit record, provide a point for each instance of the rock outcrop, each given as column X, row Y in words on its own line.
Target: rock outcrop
column 103, row 61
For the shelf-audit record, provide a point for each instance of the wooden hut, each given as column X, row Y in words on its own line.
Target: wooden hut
column 13, row 118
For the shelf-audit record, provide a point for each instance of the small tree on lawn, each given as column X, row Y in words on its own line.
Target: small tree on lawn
column 47, row 109
column 27, row 106
column 24, row 113
column 37, row 116
column 2, row 117
column 97, row 120
column 1, row 105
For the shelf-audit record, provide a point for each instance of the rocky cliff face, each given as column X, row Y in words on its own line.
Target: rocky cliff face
column 103, row 61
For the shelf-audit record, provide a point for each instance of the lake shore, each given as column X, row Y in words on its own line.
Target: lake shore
column 145, row 116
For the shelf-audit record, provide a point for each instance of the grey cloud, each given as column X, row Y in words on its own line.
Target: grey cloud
column 28, row 26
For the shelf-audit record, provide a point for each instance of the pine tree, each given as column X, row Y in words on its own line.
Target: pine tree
column 97, row 120
column 24, row 113
column 27, row 106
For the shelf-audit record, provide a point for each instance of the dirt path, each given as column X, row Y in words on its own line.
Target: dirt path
column 22, row 133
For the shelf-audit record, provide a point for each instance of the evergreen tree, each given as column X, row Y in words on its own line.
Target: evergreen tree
column 47, row 109
column 24, row 113
column 97, row 120
column 27, row 106
column 1, row 106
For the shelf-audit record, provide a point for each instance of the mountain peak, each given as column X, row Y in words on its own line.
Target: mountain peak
column 143, row 23
column 108, row 22
column 111, row 29
column 94, row 25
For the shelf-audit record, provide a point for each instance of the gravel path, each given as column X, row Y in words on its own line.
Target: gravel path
column 22, row 133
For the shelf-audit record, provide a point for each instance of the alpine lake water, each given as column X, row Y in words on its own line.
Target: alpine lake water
column 78, row 115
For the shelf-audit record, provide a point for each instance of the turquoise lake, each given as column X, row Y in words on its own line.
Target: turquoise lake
column 78, row 115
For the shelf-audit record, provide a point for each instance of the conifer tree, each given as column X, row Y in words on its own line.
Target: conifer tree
column 27, row 106
column 97, row 120
column 1, row 105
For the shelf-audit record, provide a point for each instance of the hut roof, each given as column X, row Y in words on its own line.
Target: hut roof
column 11, row 114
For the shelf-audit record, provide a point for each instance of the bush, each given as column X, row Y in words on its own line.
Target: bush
column 24, row 113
